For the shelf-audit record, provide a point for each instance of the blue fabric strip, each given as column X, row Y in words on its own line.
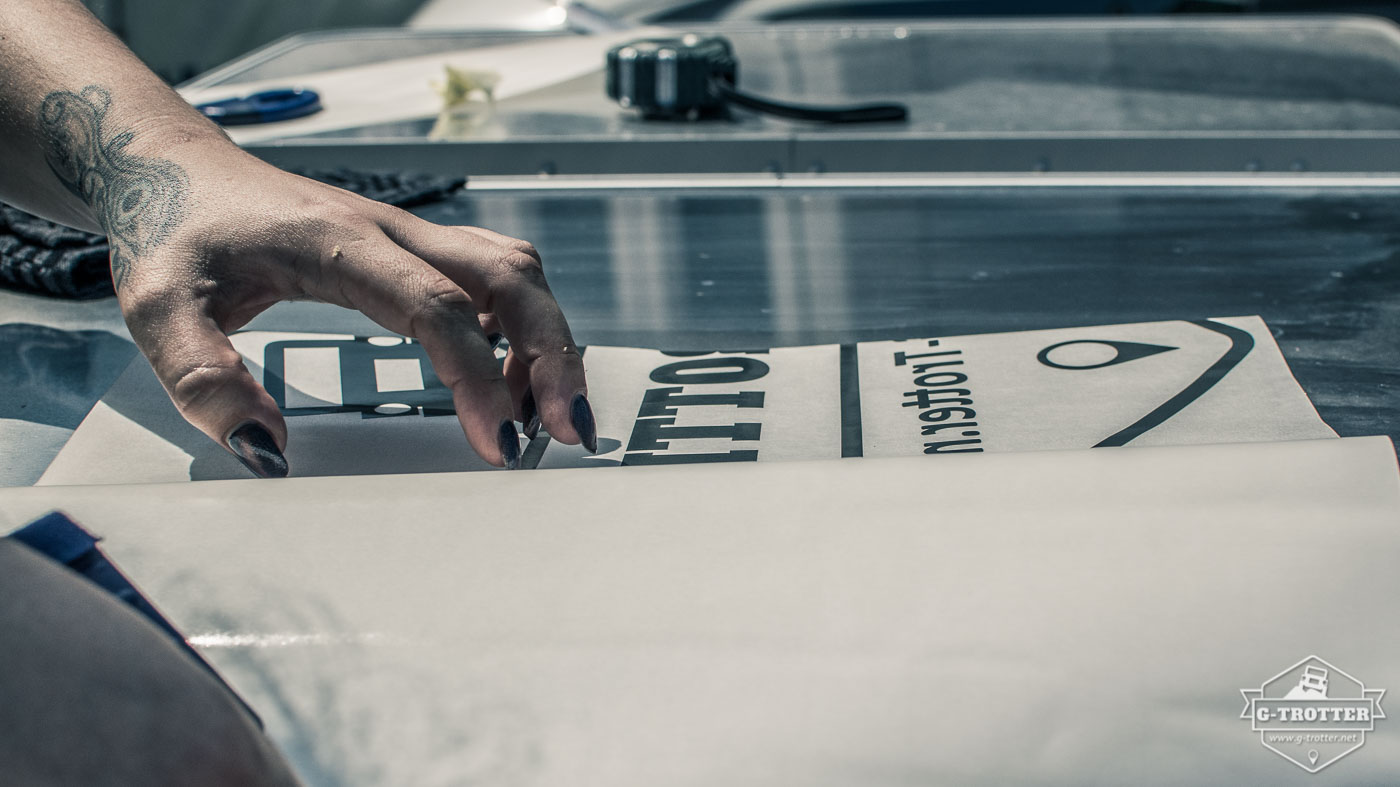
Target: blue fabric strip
column 65, row 541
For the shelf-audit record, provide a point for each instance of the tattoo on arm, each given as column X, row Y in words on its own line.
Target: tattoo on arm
column 139, row 200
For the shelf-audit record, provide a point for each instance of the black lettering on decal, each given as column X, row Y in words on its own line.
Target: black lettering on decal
column 945, row 447
column 685, row 459
column 941, row 406
column 933, row 429
column 935, row 379
column 681, row 372
column 664, row 401
column 656, row 434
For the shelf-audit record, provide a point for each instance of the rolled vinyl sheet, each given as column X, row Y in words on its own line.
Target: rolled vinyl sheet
column 1015, row 618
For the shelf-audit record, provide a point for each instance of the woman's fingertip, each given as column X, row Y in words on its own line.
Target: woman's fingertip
column 530, row 413
column 255, row 447
column 510, row 444
column 581, row 416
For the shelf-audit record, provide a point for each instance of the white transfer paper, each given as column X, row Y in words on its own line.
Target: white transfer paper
column 1158, row 383
column 684, row 408
column 362, row 405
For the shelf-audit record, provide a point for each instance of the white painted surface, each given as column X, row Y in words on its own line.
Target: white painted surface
column 404, row 89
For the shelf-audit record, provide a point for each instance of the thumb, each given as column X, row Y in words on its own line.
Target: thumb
column 206, row 379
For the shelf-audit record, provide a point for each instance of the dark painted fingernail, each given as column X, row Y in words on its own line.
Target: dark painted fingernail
column 581, row 414
column 495, row 339
column 530, row 413
column 510, row 444
column 255, row 448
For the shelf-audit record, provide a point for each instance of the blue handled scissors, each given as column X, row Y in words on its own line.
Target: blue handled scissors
column 267, row 106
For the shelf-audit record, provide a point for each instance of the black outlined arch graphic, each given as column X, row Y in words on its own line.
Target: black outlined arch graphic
column 1241, row 343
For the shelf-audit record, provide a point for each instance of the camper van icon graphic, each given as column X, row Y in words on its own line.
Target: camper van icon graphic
column 375, row 376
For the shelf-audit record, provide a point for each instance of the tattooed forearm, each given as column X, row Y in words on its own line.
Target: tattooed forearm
column 139, row 200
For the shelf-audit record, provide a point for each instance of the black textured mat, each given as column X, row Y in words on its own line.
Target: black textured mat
column 39, row 256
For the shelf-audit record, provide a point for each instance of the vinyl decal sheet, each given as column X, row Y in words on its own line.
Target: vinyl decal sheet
column 1159, row 383
column 368, row 405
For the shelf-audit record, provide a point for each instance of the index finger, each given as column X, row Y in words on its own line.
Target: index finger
column 505, row 277
column 401, row 292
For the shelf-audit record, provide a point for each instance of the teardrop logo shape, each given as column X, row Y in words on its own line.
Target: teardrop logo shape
column 1083, row 357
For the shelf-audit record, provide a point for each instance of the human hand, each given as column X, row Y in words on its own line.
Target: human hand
column 204, row 237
